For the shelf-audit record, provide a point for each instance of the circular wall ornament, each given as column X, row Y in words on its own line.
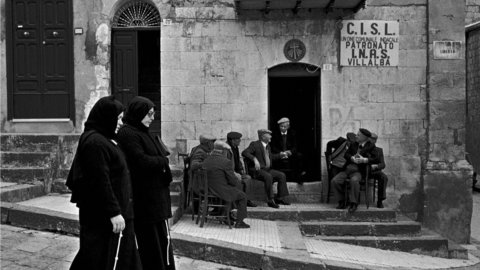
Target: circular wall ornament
column 294, row 50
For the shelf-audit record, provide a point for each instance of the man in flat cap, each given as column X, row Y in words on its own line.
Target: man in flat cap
column 378, row 174
column 260, row 168
column 358, row 156
column 200, row 152
column 234, row 139
column 284, row 142
column 223, row 182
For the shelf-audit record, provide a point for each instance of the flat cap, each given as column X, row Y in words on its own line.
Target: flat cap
column 366, row 132
column 374, row 136
column 263, row 131
column 351, row 136
column 206, row 137
column 221, row 145
column 283, row 120
column 234, row 135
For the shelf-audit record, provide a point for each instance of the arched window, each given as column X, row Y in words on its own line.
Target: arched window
column 136, row 14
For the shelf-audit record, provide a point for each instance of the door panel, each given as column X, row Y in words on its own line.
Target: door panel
column 42, row 59
column 124, row 65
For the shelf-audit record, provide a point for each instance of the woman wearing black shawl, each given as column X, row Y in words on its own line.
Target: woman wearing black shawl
column 151, row 178
column 100, row 184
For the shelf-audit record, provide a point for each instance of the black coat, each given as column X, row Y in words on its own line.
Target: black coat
column 256, row 150
column 221, row 177
column 150, row 172
column 277, row 142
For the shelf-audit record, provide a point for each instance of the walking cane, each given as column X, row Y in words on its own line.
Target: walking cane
column 118, row 249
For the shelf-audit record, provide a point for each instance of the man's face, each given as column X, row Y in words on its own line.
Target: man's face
column 284, row 126
column 266, row 138
column 361, row 138
column 236, row 142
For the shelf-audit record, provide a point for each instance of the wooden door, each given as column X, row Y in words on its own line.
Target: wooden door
column 41, row 61
column 124, row 64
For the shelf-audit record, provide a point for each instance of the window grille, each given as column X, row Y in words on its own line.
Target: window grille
column 137, row 14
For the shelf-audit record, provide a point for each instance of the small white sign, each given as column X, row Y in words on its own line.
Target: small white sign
column 366, row 43
column 447, row 50
column 327, row 67
column 167, row 22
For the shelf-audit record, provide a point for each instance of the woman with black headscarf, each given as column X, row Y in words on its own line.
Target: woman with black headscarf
column 100, row 184
column 151, row 178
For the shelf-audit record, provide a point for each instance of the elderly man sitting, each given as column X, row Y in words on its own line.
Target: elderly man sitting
column 223, row 182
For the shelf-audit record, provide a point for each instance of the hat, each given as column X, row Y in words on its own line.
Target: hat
column 283, row 120
column 234, row 135
column 206, row 137
column 374, row 136
column 261, row 132
column 221, row 145
column 366, row 132
column 351, row 136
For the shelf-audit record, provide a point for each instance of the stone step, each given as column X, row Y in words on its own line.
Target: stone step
column 24, row 174
column 12, row 192
column 431, row 245
column 175, row 198
column 325, row 228
column 317, row 212
column 176, row 185
column 24, row 159
column 36, row 142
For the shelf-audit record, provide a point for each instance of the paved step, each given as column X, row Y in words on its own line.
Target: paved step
column 24, row 174
column 12, row 192
column 313, row 228
column 24, row 159
column 176, row 185
column 432, row 245
column 323, row 212
column 307, row 193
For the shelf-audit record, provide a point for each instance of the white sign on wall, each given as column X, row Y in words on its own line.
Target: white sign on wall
column 447, row 50
column 365, row 43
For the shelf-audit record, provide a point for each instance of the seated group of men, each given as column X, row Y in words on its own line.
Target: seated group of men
column 348, row 159
column 227, row 175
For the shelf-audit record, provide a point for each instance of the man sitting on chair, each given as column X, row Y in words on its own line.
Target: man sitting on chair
column 223, row 183
column 335, row 153
column 260, row 157
column 234, row 139
column 377, row 173
column 284, row 142
column 359, row 155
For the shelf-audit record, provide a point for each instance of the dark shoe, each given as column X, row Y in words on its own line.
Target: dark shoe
column 280, row 201
column 341, row 205
column 379, row 204
column 251, row 204
column 271, row 203
column 241, row 225
column 353, row 208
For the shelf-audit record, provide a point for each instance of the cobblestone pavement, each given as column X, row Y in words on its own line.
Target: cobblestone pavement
column 23, row 249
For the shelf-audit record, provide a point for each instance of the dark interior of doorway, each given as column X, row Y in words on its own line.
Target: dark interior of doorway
column 149, row 71
column 298, row 98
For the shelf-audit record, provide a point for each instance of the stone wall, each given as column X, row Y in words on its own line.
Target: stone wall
column 472, row 11
column 473, row 96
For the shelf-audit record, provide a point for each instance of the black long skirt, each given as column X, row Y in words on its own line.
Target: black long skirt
column 98, row 247
column 154, row 245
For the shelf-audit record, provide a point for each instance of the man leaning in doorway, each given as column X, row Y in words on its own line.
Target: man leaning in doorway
column 378, row 174
column 234, row 139
column 358, row 156
column 284, row 142
column 260, row 157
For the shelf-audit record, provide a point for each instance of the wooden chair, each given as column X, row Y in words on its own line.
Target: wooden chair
column 207, row 200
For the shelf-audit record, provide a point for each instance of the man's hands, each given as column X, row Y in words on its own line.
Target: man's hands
column 358, row 159
column 257, row 164
column 118, row 223
column 285, row 154
column 374, row 167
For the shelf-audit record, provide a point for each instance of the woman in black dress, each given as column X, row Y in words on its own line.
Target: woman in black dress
column 151, row 178
column 100, row 184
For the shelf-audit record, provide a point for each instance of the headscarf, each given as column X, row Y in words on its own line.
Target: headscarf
column 137, row 110
column 103, row 117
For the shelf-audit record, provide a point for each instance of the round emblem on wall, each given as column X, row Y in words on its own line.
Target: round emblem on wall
column 294, row 50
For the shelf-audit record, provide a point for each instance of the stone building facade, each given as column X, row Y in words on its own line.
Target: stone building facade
column 218, row 62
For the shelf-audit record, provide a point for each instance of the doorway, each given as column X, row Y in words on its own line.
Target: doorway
column 40, row 59
column 136, row 56
column 294, row 92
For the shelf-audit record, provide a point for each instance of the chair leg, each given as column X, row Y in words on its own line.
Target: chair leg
column 367, row 197
column 329, row 184
column 229, row 207
column 204, row 211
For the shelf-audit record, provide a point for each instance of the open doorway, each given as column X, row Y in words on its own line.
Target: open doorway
column 294, row 92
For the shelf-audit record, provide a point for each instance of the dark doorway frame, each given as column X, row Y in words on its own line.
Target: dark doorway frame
column 298, row 71
column 9, row 50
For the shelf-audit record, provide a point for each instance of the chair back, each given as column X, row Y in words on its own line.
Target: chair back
column 199, row 182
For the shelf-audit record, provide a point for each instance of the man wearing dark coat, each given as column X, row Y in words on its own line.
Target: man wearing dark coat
column 233, row 140
column 101, row 188
column 200, row 152
column 335, row 153
column 284, row 142
column 378, row 174
column 223, row 183
column 151, row 178
column 359, row 155
column 260, row 168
